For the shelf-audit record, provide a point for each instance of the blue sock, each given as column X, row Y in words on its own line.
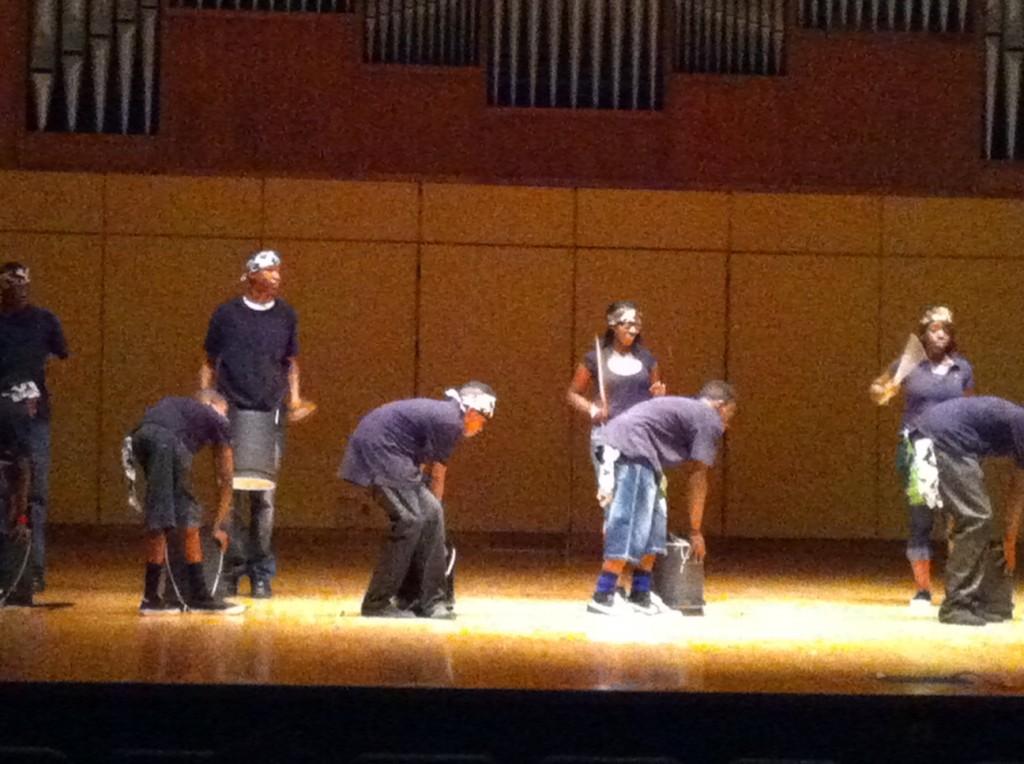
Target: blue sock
column 641, row 581
column 606, row 582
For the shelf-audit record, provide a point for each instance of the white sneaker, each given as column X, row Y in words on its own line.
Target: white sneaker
column 616, row 605
column 650, row 605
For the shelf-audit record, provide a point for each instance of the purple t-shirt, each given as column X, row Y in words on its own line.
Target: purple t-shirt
column 623, row 391
column 922, row 388
column 667, row 431
column 981, row 426
column 194, row 423
column 392, row 441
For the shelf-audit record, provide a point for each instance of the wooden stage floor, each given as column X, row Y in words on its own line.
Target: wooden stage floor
column 798, row 617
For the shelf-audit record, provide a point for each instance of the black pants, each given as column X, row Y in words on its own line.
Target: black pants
column 964, row 499
column 414, row 548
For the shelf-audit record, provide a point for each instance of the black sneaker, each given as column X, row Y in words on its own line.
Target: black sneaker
column 921, row 602
column 647, row 603
column 261, row 589
column 230, row 587
column 159, row 606
column 38, row 583
column 991, row 617
column 439, row 612
column 217, row 607
column 961, row 618
column 611, row 603
column 19, row 600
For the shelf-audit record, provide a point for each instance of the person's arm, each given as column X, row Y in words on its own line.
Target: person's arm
column 294, row 396
column 883, row 389
column 208, row 374
column 657, row 386
column 576, row 396
column 1014, row 505
column 696, row 496
column 438, row 470
column 224, row 470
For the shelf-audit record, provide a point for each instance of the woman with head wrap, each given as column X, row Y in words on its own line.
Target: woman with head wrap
column 616, row 375
column 942, row 375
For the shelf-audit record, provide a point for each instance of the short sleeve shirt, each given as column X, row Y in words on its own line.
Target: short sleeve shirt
column 391, row 442
column 665, row 432
column 195, row 424
column 977, row 426
column 623, row 391
column 251, row 351
column 27, row 338
column 923, row 388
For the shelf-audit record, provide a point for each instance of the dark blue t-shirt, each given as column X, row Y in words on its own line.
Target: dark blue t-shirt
column 667, row 431
column 923, row 388
column 250, row 350
column 193, row 423
column 626, row 390
column 15, row 422
column 27, row 338
column 391, row 442
column 979, row 427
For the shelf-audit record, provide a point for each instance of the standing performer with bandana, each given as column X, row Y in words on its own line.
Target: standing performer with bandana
column 19, row 405
column 638, row 447
column 951, row 438
column 944, row 374
column 394, row 452
column 29, row 335
column 171, row 433
column 618, row 374
column 251, row 359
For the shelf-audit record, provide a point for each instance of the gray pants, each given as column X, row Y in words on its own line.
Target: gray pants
column 414, row 546
column 962, row 487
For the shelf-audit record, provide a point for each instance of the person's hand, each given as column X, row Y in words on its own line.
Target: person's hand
column 700, row 549
column 599, row 413
column 882, row 393
column 300, row 409
column 658, row 389
column 604, row 498
column 221, row 537
column 1010, row 552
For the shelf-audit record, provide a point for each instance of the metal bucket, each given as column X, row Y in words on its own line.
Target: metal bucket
column 256, row 442
column 679, row 579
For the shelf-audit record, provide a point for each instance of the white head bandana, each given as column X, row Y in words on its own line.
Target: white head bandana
column 15, row 276
column 473, row 398
column 23, row 391
column 937, row 313
column 624, row 315
column 268, row 258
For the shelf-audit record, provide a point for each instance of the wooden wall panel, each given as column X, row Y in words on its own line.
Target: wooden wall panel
column 184, row 206
column 682, row 297
column 51, row 201
column 67, row 278
column 805, row 223
column 940, row 227
column 503, row 316
column 461, row 214
column 803, row 332
column 652, row 219
column 357, row 334
column 311, row 209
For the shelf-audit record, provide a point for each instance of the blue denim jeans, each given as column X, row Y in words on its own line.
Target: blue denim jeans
column 39, row 491
column 636, row 521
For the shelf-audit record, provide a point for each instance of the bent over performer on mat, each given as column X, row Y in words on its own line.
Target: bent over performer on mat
column 388, row 453
column 639, row 445
column 19, row 403
column 170, row 434
column 950, row 439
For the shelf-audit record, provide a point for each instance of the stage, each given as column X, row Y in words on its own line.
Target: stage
column 782, row 617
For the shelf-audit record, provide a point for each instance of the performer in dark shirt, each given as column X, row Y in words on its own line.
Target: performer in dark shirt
column 638, row 447
column 29, row 335
column 170, row 434
column 251, row 359
column 950, row 440
column 387, row 454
